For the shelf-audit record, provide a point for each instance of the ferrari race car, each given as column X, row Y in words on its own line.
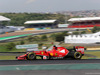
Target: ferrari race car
column 55, row 53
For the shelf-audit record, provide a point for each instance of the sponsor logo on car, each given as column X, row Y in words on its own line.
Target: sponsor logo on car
column 42, row 52
column 62, row 51
column 56, row 54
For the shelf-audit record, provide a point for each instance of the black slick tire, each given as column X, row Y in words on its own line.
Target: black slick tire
column 31, row 56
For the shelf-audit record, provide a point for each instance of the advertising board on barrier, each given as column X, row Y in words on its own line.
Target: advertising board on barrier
column 29, row 46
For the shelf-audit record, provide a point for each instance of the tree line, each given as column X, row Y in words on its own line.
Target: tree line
column 18, row 19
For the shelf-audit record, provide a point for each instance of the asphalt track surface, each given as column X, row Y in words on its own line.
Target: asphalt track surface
column 52, row 72
column 35, row 62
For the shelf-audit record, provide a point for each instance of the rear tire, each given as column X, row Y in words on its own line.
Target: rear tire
column 77, row 55
column 31, row 56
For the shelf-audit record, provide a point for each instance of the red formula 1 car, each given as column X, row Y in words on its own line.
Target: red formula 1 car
column 55, row 53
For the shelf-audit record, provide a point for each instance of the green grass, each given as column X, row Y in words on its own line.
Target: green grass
column 97, row 53
column 86, row 57
column 7, row 57
column 12, row 57
column 94, row 53
column 3, row 49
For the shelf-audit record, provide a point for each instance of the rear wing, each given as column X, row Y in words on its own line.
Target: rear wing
column 80, row 49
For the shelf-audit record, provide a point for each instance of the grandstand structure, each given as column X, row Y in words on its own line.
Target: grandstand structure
column 2, row 19
column 3, row 22
column 83, row 38
column 87, row 22
column 40, row 24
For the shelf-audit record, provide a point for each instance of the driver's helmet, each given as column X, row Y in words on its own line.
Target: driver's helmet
column 54, row 47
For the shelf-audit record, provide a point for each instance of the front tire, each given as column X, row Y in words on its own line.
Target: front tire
column 31, row 56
